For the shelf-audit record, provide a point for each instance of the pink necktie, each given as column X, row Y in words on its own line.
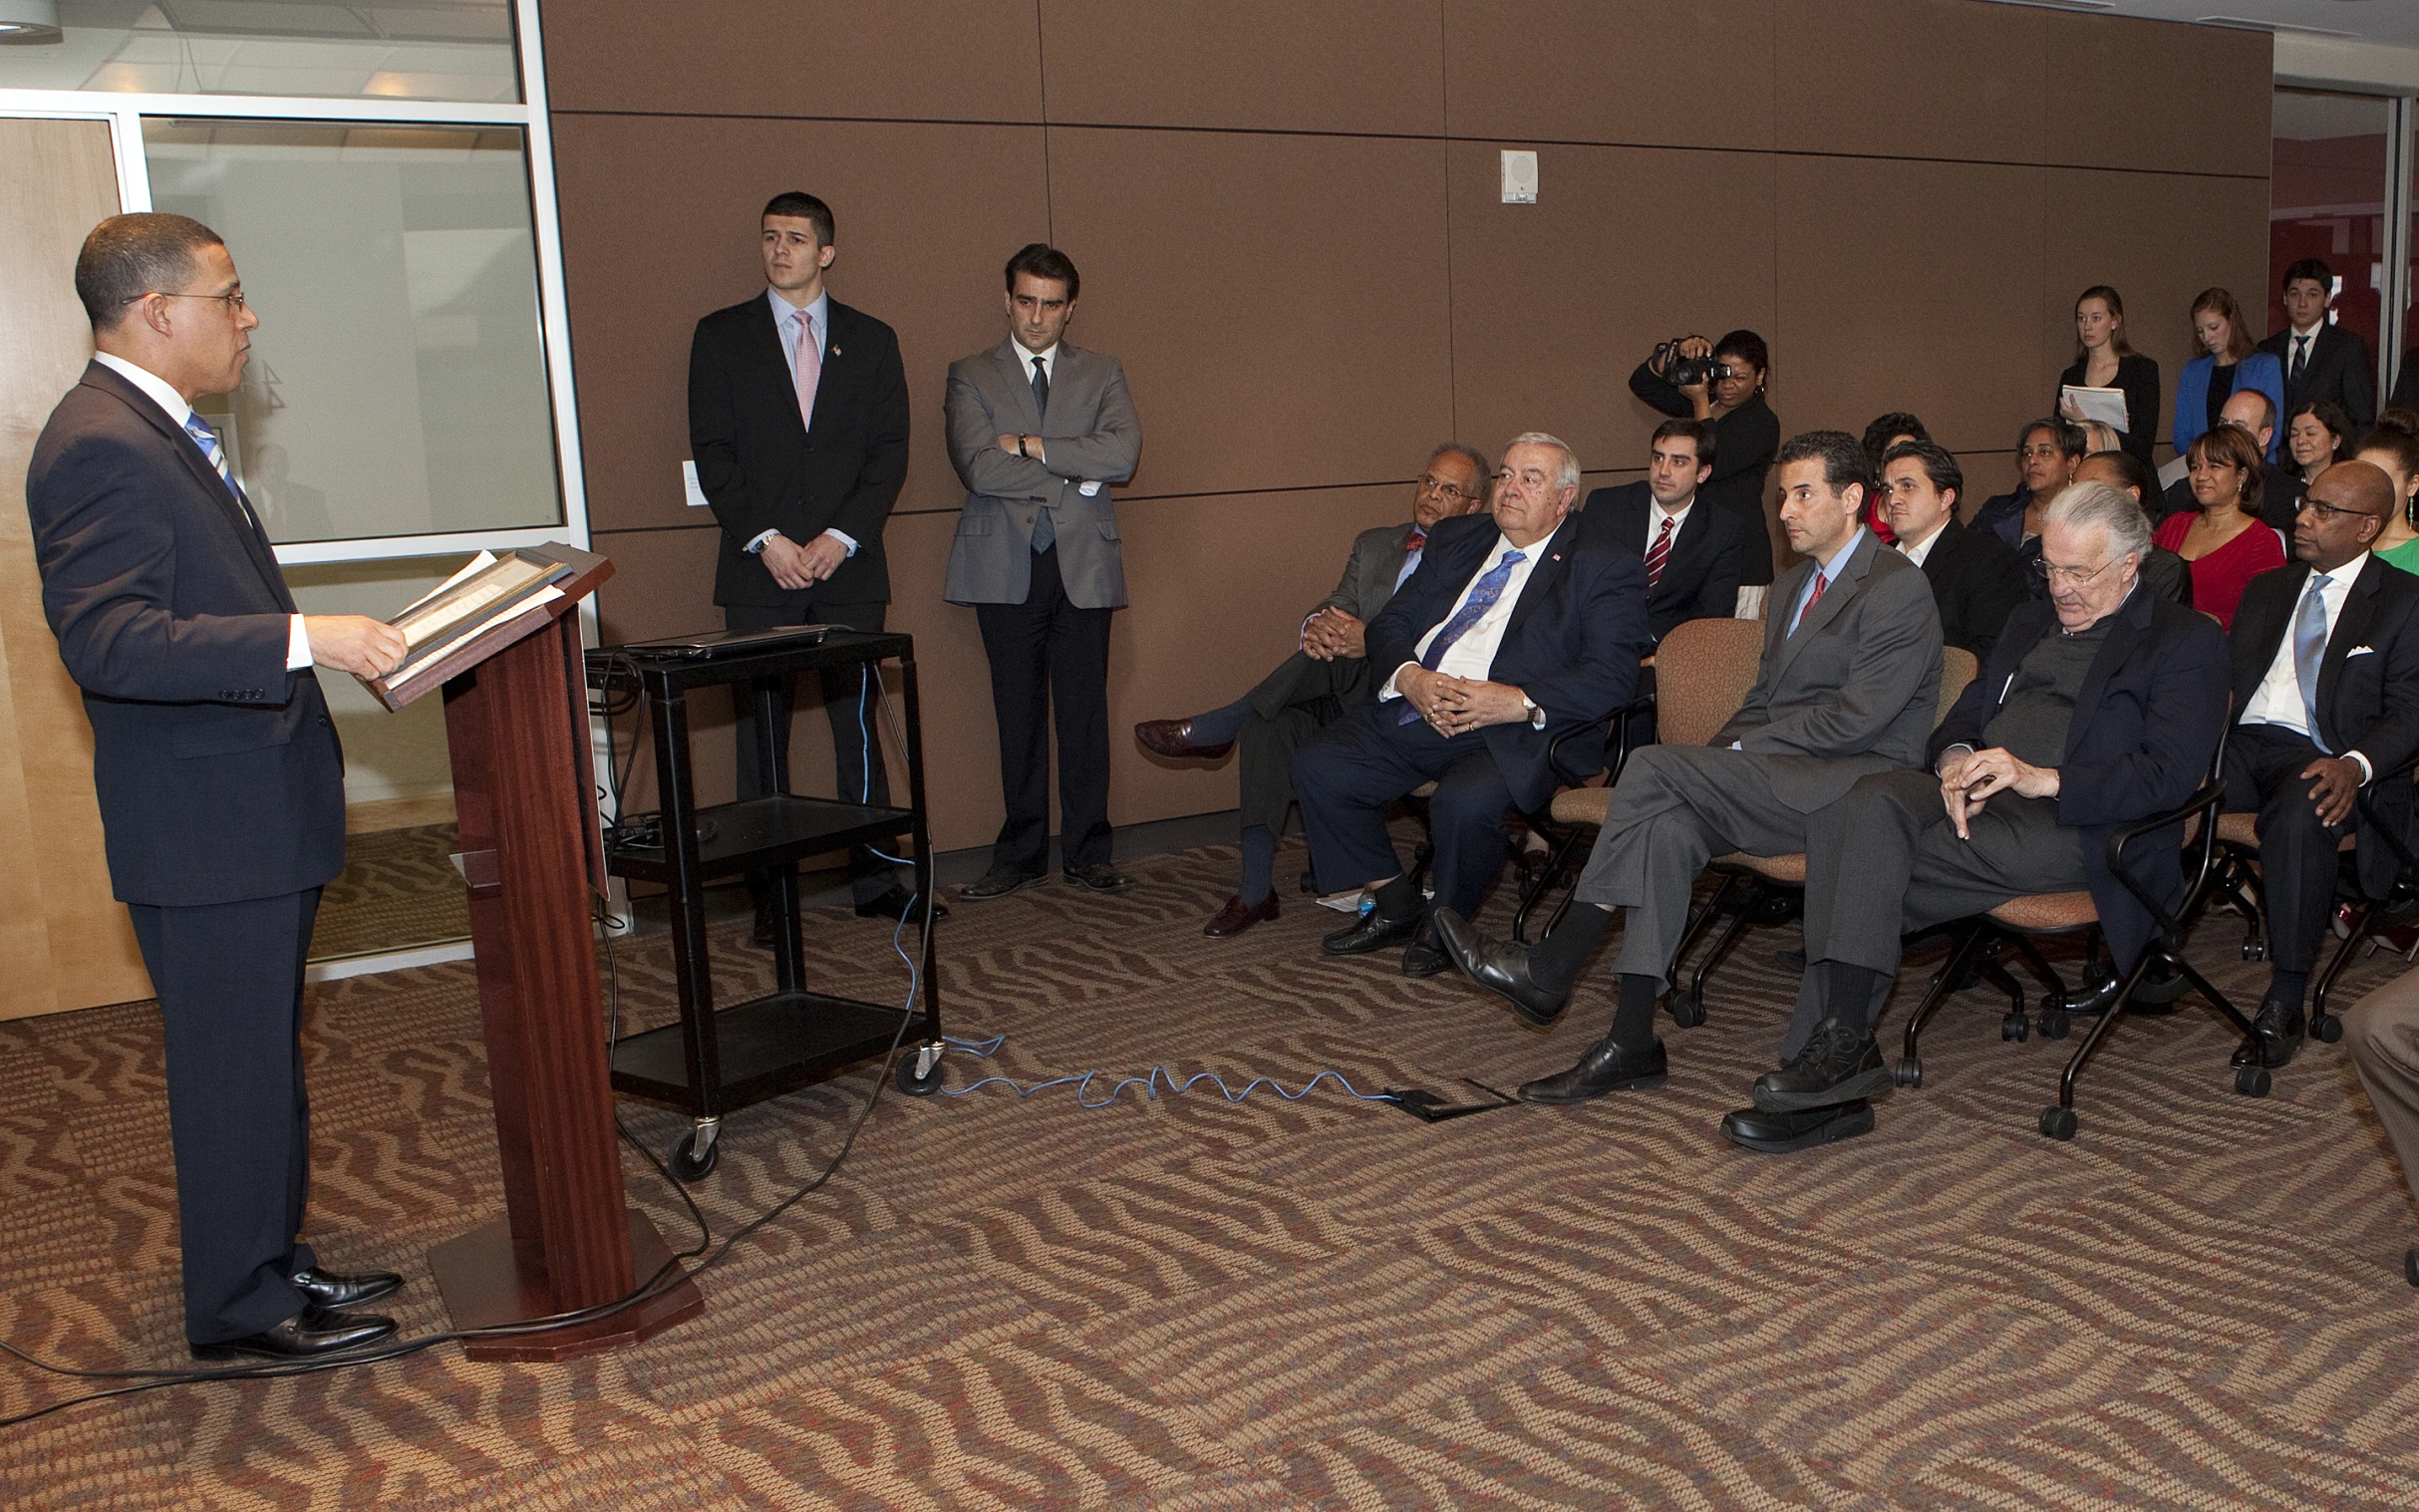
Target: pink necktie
column 811, row 369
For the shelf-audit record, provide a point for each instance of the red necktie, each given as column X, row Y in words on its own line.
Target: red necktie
column 1657, row 554
column 1417, row 541
column 1812, row 599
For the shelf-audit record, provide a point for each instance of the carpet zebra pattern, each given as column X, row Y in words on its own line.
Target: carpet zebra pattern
column 1182, row 1303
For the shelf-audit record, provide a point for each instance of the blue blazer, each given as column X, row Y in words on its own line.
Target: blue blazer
column 1571, row 644
column 2258, row 370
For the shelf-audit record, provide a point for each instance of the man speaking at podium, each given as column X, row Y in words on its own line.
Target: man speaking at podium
column 221, row 782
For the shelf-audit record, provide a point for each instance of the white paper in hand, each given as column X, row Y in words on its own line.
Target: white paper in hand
column 2107, row 405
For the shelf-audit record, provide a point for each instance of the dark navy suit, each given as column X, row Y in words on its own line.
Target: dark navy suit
column 222, row 792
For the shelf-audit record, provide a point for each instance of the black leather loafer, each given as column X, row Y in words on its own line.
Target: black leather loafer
column 333, row 1289
column 2276, row 1038
column 308, row 1335
column 1422, row 959
column 1098, row 878
column 1605, row 1068
column 1500, row 967
column 1371, row 931
column 895, row 904
column 1783, row 1133
column 1836, row 1067
column 997, row 882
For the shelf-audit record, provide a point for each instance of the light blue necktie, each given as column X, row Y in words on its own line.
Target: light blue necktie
column 1484, row 595
column 2310, row 648
column 207, row 440
column 1044, row 532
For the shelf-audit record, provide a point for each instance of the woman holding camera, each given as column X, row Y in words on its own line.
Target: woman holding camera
column 1727, row 392
column 2104, row 358
column 2231, row 362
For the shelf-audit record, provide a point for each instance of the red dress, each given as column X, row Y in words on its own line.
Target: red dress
column 2218, row 578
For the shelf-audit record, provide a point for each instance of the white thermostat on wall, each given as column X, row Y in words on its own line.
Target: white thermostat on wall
column 1519, row 177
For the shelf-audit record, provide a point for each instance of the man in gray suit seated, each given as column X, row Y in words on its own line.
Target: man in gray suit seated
column 1849, row 685
column 1318, row 684
column 1038, row 429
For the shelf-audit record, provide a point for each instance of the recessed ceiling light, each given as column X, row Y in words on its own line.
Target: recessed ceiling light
column 29, row 23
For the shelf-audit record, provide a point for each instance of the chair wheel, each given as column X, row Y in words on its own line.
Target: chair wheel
column 912, row 1084
column 2327, row 1029
column 2255, row 950
column 1686, row 1011
column 2252, row 1081
column 2053, row 1025
column 2014, row 1027
column 2058, row 1122
column 691, row 1164
column 2410, row 1267
column 1910, row 1071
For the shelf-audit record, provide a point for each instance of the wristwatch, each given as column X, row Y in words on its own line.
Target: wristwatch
column 1537, row 715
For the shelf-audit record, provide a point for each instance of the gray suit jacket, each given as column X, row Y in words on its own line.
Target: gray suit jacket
column 1368, row 582
column 1093, row 439
column 1856, row 690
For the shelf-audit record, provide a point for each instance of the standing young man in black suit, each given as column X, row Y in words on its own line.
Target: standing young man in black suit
column 797, row 418
column 1976, row 581
column 1694, row 556
column 217, row 766
column 2326, row 705
column 2321, row 360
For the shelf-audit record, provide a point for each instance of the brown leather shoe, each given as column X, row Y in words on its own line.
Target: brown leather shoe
column 1239, row 916
column 1173, row 739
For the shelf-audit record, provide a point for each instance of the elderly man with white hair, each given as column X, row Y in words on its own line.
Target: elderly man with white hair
column 1509, row 635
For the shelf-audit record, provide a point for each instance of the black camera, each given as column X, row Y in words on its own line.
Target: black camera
column 1681, row 372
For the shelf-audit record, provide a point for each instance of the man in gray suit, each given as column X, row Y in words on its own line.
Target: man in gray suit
column 1037, row 430
column 1318, row 684
column 1849, row 685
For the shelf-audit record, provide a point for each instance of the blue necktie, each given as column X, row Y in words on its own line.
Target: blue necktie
column 207, row 440
column 2310, row 648
column 1046, row 534
column 1484, row 595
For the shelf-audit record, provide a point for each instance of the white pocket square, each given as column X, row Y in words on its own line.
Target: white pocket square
column 2360, row 651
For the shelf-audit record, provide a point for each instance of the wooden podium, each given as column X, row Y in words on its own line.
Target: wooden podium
column 524, row 794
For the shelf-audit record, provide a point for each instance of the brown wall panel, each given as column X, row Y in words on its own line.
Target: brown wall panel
column 1875, row 322
column 2127, row 93
column 1362, row 65
column 1280, row 303
column 2158, row 239
column 1921, row 79
column 927, row 60
column 927, row 214
column 1554, row 303
column 1683, row 73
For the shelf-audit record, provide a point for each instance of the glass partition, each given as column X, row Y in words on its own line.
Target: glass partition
column 2326, row 200
column 457, row 50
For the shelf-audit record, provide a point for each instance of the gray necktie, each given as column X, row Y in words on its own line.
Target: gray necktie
column 2310, row 650
column 1046, row 534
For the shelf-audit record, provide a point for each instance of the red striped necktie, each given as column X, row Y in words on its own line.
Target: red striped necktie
column 1657, row 554
column 1812, row 599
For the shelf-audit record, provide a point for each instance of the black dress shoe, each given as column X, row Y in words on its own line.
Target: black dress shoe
column 1835, row 1066
column 997, row 882
column 2410, row 1267
column 1499, row 966
column 895, row 903
column 308, row 1335
column 1099, row 877
column 1780, row 1133
column 332, row 1289
column 1422, row 958
column 1173, row 739
column 1371, row 931
column 1605, row 1068
column 1239, row 916
column 2276, row 1038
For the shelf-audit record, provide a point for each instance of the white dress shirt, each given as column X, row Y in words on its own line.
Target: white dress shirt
column 164, row 393
column 786, row 318
column 1657, row 514
column 2277, row 699
column 1470, row 656
column 1923, row 548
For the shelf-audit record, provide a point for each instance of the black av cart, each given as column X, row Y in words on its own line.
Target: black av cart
column 718, row 1059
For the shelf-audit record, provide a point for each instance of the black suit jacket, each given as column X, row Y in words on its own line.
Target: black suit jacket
column 2367, row 702
column 1744, row 443
column 1976, row 582
column 1572, row 645
column 2138, row 376
column 2339, row 369
column 1701, row 578
column 762, row 471
column 2145, row 730
column 219, row 772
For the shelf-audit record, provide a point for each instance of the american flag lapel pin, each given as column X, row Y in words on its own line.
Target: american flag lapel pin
column 835, row 351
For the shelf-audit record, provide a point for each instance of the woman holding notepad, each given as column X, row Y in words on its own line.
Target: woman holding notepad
column 2121, row 385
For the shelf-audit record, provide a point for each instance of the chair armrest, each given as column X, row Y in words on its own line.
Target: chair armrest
column 2205, row 802
column 2405, row 863
column 1615, row 723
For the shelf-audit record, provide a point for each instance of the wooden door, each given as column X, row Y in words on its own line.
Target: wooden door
column 64, row 943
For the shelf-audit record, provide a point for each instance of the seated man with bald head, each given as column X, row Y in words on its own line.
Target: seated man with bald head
column 2326, row 705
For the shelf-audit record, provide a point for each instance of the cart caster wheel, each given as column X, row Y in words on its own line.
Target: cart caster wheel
column 1686, row 1011
column 2410, row 1267
column 2014, row 1027
column 2058, row 1122
column 691, row 1164
column 2053, row 1025
column 928, row 1082
column 2255, row 950
column 2252, row 1082
column 2327, row 1029
column 1908, row 1071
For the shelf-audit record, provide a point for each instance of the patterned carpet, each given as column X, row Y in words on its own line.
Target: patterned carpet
column 1187, row 1303
column 399, row 888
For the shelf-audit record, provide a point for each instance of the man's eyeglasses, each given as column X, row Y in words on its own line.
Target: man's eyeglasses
column 2328, row 511
column 2072, row 576
column 232, row 299
column 1430, row 483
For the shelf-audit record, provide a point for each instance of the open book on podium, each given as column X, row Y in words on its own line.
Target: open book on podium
column 486, row 606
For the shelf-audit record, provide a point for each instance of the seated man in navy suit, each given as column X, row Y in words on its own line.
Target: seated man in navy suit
column 1694, row 556
column 1509, row 634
